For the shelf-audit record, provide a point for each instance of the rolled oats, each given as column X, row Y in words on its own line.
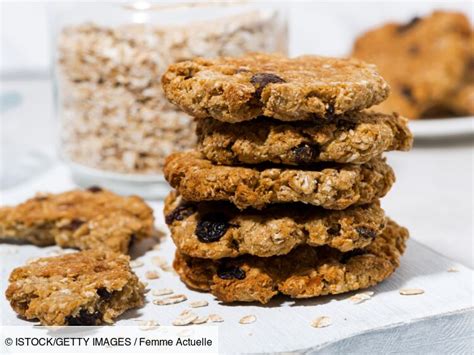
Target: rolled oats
column 114, row 114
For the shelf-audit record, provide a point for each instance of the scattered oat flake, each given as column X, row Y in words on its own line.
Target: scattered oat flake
column 157, row 247
column 215, row 318
column 201, row 320
column 411, row 291
column 162, row 292
column 453, row 269
column 248, row 319
column 136, row 263
column 361, row 297
column 162, row 263
column 185, row 318
column 152, row 275
column 148, row 324
column 321, row 322
column 197, row 304
column 170, row 300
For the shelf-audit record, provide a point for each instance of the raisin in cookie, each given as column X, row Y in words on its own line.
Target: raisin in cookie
column 423, row 60
column 305, row 272
column 355, row 138
column 331, row 186
column 215, row 230
column 82, row 219
column 239, row 89
column 85, row 288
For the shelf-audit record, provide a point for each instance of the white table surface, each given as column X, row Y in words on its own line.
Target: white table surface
column 433, row 195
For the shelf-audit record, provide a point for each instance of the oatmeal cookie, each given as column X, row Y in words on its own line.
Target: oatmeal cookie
column 303, row 88
column 85, row 288
column 305, row 272
column 355, row 138
column 332, row 186
column 215, row 230
column 82, row 219
column 423, row 60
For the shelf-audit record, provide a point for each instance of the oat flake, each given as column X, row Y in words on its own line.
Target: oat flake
column 248, row 319
column 411, row 291
column 321, row 322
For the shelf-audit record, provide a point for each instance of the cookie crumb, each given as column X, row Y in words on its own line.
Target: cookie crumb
column 152, row 275
column 361, row 297
column 248, row 319
column 197, row 304
column 453, row 269
column 170, row 300
column 321, row 322
column 162, row 292
column 215, row 318
column 411, row 291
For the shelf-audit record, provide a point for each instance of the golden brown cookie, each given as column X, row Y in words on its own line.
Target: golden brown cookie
column 422, row 60
column 86, row 288
column 305, row 272
column 215, row 230
column 331, row 186
column 355, row 138
column 82, row 219
column 303, row 88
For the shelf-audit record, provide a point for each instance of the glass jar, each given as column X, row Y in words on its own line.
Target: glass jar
column 116, row 126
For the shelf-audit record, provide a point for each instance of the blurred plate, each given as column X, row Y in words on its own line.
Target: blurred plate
column 442, row 127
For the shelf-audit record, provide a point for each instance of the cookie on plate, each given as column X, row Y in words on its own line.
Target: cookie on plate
column 302, row 88
column 423, row 60
column 355, row 138
column 215, row 230
column 85, row 288
column 82, row 219
column 305, row 272
column 331, row 186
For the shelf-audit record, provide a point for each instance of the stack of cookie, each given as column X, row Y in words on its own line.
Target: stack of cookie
column 282, row 195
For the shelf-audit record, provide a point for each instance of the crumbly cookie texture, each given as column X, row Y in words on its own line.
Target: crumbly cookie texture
column 289, row 89
column 82, row 219
column 305, row 272
column 355, row 138
column 216, row 230
column 423, row 60
column 334, row 187
column 85, row 288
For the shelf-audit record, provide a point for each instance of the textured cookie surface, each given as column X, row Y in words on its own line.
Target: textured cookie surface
column 85, row 288
column 83, row 219
column 239, row 89
column 336, row 186
column 216, row 230
column 355, row 138
column 423, row 60
column 305, row 272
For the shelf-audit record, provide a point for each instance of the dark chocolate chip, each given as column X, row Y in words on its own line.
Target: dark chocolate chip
column 261, row 80
column 350, row 254
column 84, row 318
column 229, row 272
column 335, row 229
column 180, row 213
column 407, row 92
column 366, row 232
column 211, row 228
column 74, row 224
column 103, row 293
column 407, row 26
column 94, row 189
column 306, row 152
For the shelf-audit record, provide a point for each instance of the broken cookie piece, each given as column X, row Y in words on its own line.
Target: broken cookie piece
column 84, row 219
column 91, row 287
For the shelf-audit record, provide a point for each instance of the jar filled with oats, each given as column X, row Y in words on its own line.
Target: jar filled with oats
column 116, row 127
